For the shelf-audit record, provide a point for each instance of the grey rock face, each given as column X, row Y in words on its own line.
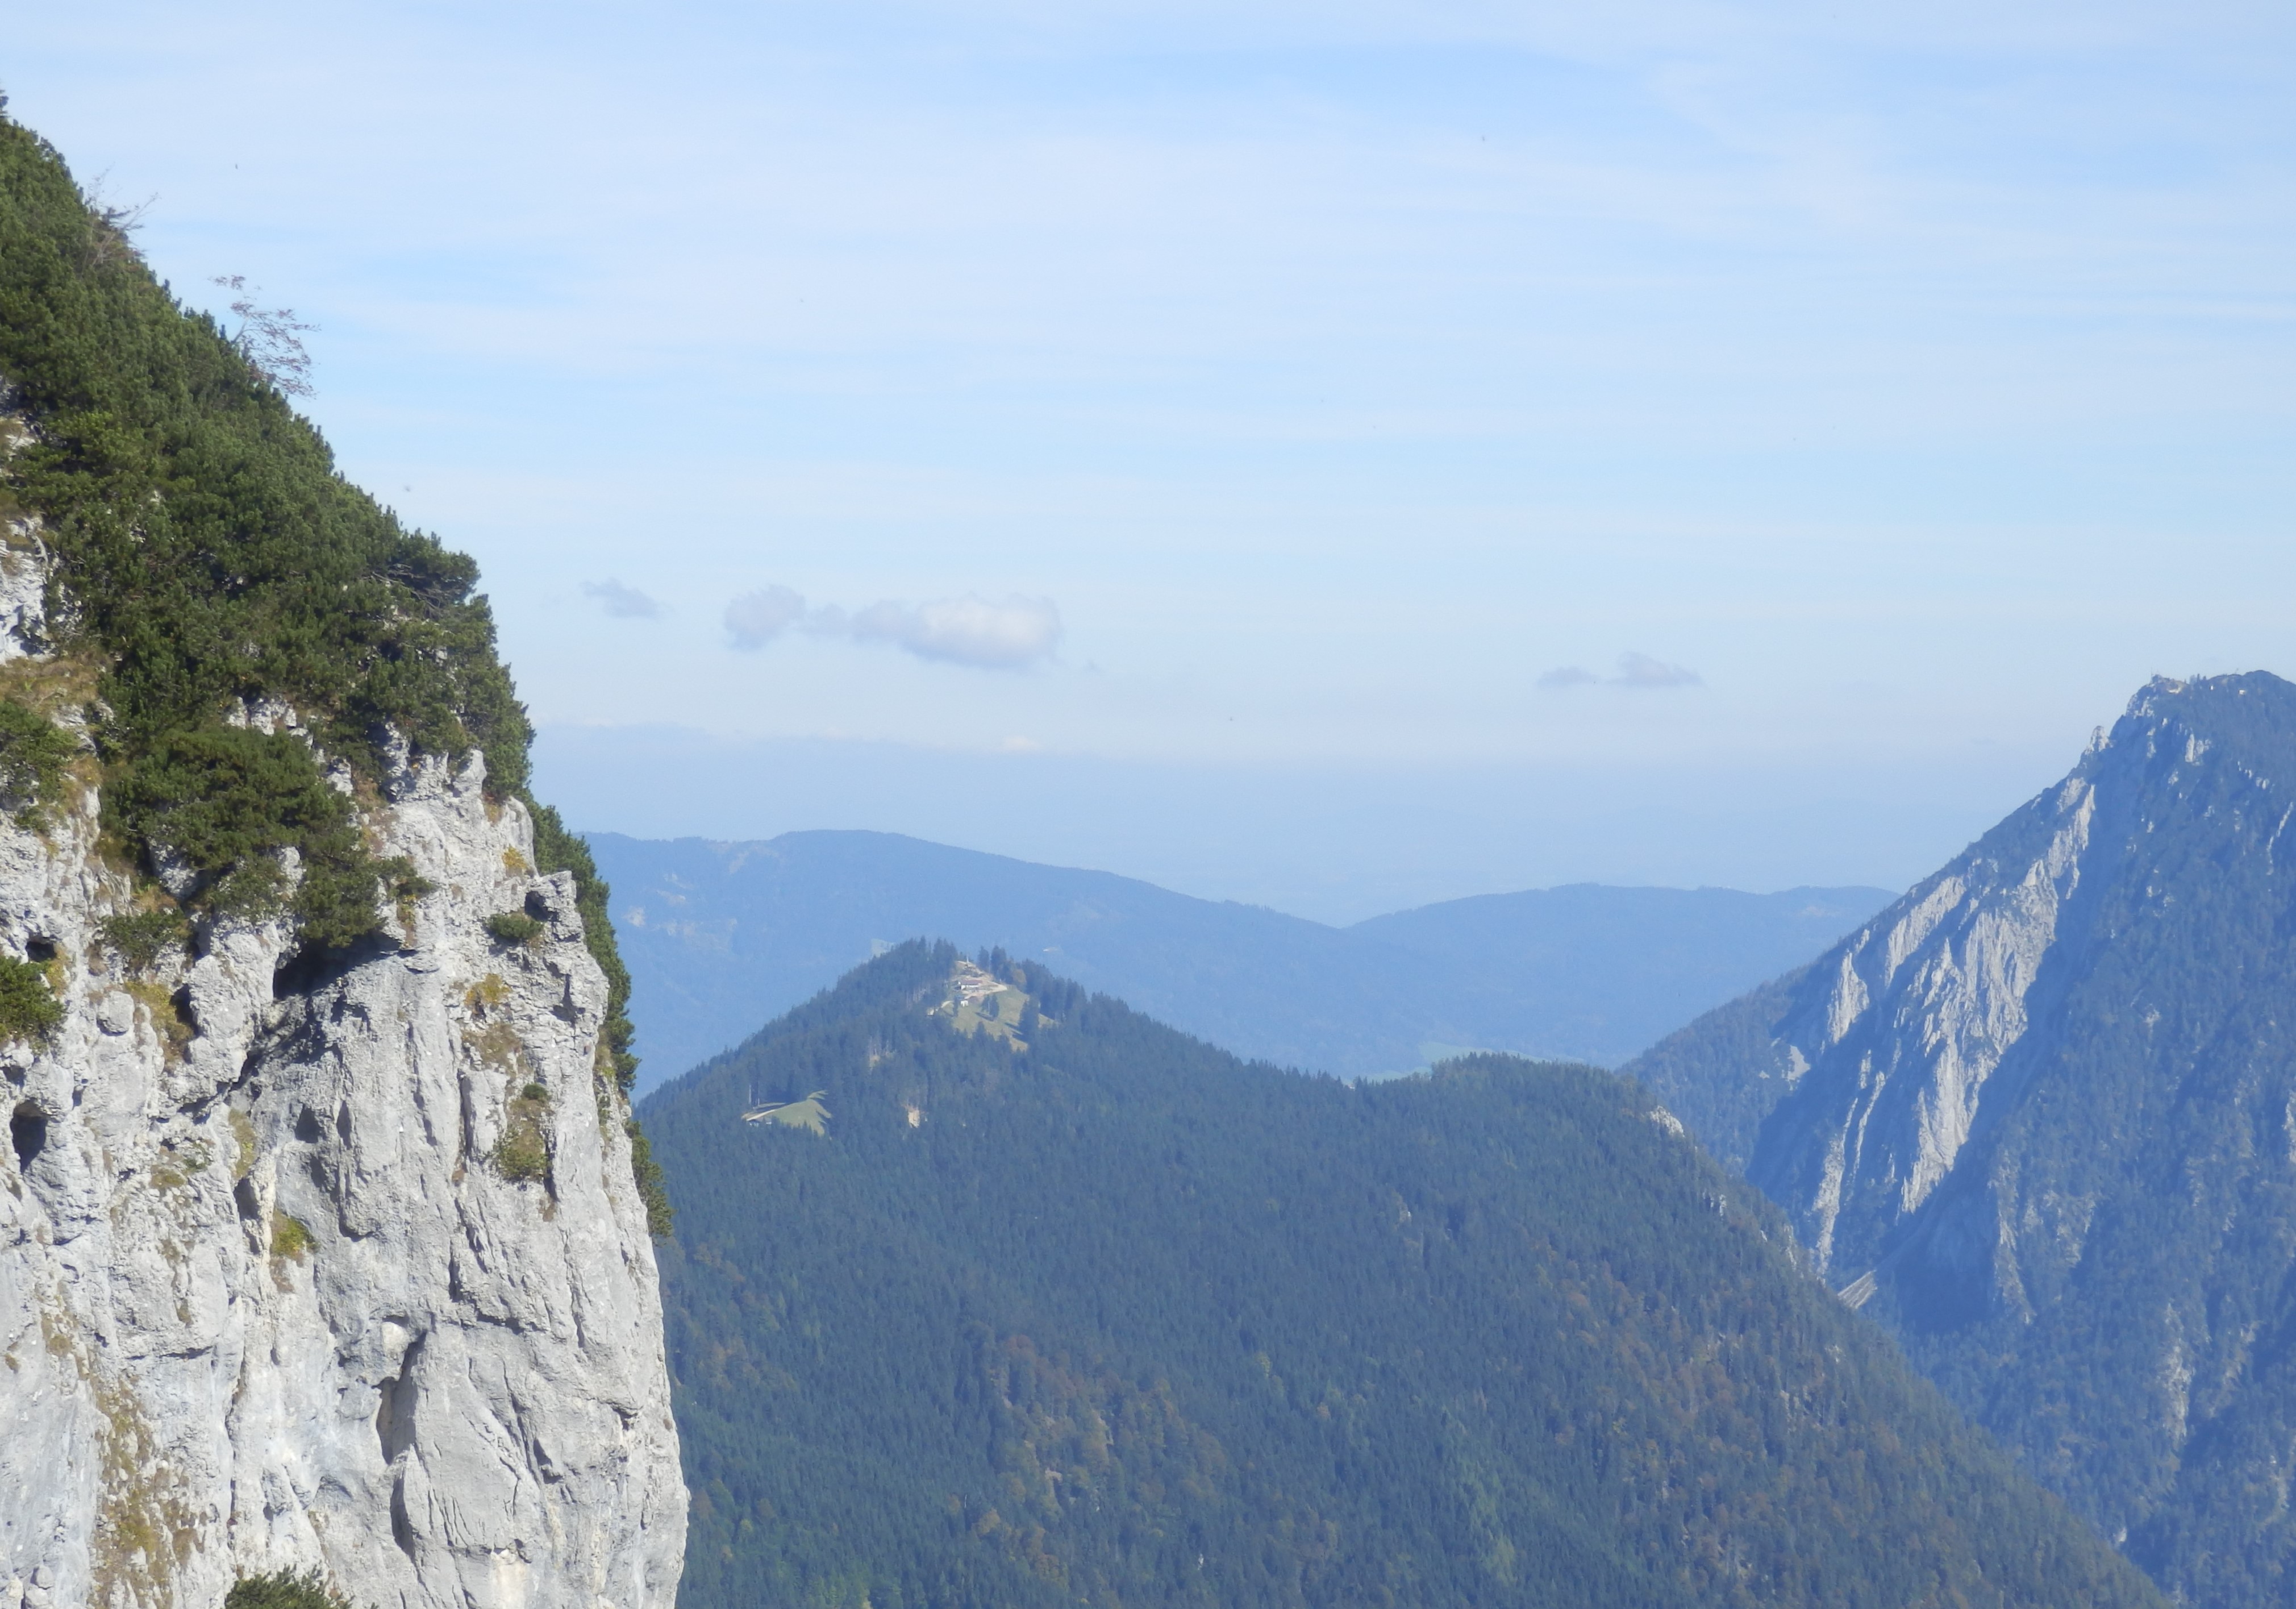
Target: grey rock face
column 2040, row 1118
column 1897, row 1033
column 1872, row 1063
column 339, row 1270
column 1914, row 1038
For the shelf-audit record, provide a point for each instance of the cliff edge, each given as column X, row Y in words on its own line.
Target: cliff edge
column 322, row 1247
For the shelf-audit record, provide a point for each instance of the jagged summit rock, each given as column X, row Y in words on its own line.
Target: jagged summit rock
column 1918, row 1035
column 2039, row 1117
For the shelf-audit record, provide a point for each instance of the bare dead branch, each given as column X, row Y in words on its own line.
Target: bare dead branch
column 270, row 339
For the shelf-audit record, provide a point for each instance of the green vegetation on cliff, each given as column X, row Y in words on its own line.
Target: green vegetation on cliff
column 1090, row 1311
column 208, row 559
column 207, row 553
column 284, row 1591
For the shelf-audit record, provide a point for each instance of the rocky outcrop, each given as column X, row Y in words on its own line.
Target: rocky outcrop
column 333, row 1264
column 2040, row 1118
column 1897, row 1033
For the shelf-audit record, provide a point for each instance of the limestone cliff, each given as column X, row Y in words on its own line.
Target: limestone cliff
column 341, row 1269
column 2040, row 1118
column 271, row 1292
column 323, row 1245
column 1900, row 1030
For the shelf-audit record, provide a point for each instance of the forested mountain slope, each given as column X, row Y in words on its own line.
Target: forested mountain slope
column 722, row 936
column 989, row 1292
column 2040, row 1118
column 1723, row 1073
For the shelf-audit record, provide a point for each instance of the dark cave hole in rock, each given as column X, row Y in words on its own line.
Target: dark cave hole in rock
column 40, row 951
column 310, row 968
column 27, row 1131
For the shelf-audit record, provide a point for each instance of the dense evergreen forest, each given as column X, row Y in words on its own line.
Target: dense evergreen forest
column 987, row 1291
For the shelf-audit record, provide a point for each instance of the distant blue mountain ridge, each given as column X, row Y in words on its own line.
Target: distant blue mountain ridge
column 722, row 937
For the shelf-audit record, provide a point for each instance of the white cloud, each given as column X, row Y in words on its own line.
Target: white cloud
column 1637, row 670
column 991, row 635
column 757, row 618
column 1641, row 670
column 969, row 630
column 623, row 602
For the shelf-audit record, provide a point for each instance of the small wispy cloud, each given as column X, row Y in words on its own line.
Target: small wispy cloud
column 988, row 634
column 969, row 630
column 1635, row 670
column 623, row 602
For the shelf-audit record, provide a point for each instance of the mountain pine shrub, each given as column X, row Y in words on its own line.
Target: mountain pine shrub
column 207, row 556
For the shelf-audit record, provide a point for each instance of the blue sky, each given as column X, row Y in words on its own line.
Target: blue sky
column 1191, row 439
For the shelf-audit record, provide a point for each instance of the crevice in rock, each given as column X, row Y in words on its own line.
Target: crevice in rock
column 394, row 1416
column 180, row 1003
column 402, row 1529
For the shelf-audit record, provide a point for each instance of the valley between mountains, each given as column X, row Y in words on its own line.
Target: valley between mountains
column 2035, row 1122
column 720, row 937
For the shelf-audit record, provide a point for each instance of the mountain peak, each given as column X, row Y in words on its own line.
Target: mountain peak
column 2040, row 1116
column 1894, row 1040
column 2246, row 708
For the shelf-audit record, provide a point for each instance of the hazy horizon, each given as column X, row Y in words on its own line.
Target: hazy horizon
column 1290, row 840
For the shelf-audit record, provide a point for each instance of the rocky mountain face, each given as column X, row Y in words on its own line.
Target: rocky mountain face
column 324, row 1232
column 344, row 1270
column 2039, row 1117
